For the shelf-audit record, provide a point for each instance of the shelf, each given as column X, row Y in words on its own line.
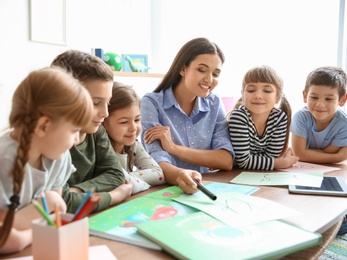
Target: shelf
column 138, row 74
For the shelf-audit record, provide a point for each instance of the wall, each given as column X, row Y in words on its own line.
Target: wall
column 121, row 26
column 293, row 36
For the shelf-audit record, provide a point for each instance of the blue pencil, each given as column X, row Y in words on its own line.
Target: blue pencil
column 44, row 202
column 84, row 200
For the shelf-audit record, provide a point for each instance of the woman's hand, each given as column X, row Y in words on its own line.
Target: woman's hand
column 185, row 182
column 163, row 134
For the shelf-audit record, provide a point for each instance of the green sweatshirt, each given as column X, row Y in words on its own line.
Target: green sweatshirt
column 97, row 166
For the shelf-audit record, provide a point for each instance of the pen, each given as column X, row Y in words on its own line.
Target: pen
column 44, row 202
column 204, row 190
column 43, row 213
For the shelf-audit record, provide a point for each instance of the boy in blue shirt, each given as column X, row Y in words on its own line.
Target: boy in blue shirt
column 319, row 132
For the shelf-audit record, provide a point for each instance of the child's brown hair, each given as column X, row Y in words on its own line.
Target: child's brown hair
column 266, row 74
column 329, row 76
column 50, row 92
column 123, row 96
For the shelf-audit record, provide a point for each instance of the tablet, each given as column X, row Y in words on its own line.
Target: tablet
column 331, row 185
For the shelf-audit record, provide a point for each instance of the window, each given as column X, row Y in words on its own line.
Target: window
column 292, row 36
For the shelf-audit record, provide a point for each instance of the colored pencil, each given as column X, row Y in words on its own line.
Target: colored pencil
column 43, row 213
column 44, row 202
column 57, row 217
column 87, row 207
column 84, row 200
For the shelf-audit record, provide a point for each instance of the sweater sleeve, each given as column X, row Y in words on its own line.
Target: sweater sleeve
column 148, row 169
column 108, row 173
column 73, row 199
column 241, row 132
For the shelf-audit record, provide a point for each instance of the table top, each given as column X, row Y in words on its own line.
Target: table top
column 319, row 213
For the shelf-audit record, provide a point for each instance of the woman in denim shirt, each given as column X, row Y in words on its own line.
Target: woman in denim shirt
column 184, row 124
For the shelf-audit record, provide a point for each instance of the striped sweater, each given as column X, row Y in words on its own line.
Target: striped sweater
column 252, row 151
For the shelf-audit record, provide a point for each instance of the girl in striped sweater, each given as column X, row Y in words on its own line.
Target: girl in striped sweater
column 258, row 126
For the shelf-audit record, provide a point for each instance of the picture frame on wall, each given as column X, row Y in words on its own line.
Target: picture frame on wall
column 135, row 62
column 48, row 21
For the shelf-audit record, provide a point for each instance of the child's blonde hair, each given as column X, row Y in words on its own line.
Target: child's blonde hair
column 50, row 92
column 266, row 74
column 123, row 96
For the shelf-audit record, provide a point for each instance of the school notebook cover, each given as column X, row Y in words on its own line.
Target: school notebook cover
column 118, row 223
column 200, row 236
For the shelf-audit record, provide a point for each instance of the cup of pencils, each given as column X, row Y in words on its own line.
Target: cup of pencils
column 62, row 236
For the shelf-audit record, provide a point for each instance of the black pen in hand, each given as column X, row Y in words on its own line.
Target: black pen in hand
column 204, row 190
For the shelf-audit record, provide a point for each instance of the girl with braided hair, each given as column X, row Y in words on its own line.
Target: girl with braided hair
column 48, row 109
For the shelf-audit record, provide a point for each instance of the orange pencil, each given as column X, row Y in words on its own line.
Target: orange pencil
column 57, row 216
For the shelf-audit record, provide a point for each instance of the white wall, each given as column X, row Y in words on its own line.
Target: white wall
column 293, row 36
column 121, row 26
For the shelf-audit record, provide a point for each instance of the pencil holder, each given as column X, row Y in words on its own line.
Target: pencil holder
column 67, row 242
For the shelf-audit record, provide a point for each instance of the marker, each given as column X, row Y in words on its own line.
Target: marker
column 204, row 190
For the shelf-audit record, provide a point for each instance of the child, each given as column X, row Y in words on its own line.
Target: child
column 96, row 162
column 184, row 126
column 34, row 155
column 319, row 132
column 258, row 130
column 123, row 125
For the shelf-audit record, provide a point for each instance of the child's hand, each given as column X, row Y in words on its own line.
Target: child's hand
column 286, row 161
column 185, row 182
column 343, row 153
column 54, row 199
column 16, row 241
column 121, row 192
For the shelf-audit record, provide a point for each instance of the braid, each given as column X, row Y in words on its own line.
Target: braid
column 285, row 106
column 27, row 127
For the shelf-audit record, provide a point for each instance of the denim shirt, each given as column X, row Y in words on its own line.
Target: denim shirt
column 205, row 128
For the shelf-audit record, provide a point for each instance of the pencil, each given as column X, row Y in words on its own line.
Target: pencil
column 204, row 190
column 84, row 200
column 57, row 216
column 44, row 202
column 86, row 208
column 43, row 213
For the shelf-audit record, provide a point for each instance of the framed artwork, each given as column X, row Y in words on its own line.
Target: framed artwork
column 48, row 21
column 135, row 62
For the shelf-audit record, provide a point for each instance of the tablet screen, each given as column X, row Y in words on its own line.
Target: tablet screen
column 331, row 185
column 327, row 184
